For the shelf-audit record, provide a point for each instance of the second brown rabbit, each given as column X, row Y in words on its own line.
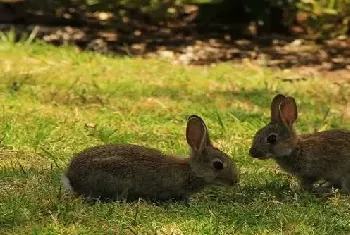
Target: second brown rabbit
column 125, row 171
column 312, row 157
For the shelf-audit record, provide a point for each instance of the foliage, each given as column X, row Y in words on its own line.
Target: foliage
column 325, row 18
column 320, row 18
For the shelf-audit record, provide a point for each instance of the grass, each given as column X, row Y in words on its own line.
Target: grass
column 56, row 101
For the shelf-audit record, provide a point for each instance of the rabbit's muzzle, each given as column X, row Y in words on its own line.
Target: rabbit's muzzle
column 227, row 182
column 255, row 153
column 235, row 181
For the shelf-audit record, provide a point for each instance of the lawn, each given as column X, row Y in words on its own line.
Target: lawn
column 57, row 101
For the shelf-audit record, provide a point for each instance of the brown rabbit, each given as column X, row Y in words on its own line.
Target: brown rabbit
column 125, row 171
column 319, row 156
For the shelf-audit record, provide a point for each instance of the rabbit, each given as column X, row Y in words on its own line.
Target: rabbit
column 312, row 157
column 130, row 172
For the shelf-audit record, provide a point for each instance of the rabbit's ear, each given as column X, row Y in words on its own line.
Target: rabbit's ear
column 197, row 133
column 289, row 111
column 275, row 107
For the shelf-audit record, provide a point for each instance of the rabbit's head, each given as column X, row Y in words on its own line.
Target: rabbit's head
column 208, row 162
column 277, row 138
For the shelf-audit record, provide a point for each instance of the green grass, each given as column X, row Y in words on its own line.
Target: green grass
column 56, row 101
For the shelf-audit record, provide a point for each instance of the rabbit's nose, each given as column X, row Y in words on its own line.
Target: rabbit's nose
column 254, row 152
column 236, row 180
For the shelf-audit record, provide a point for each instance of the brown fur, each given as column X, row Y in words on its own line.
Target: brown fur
column 312, row 157
column 125, row 171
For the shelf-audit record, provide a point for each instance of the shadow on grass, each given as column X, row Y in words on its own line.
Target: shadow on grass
column 272, row 192
column 43, row 197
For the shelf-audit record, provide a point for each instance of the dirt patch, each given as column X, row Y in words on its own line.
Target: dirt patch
column 182, row 40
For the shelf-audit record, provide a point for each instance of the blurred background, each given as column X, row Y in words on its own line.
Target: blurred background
column 309, row 36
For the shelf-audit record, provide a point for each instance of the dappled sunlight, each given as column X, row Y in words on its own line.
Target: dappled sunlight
column 61, row 102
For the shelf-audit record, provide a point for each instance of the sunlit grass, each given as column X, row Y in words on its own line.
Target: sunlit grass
column 56, row 101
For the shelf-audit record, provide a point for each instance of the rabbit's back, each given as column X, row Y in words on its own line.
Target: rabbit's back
column 127, row 171
column 322, row 155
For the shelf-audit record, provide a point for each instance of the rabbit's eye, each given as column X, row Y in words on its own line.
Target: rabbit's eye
column 271, row 139
column 218, row 165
